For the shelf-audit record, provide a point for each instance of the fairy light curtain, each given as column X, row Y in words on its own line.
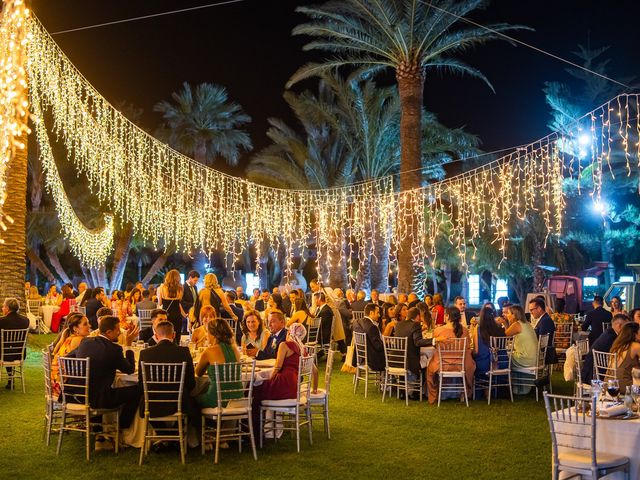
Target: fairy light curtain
column 168, row 197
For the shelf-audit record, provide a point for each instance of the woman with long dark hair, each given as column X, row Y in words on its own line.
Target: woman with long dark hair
column 627, row 346
column 169, row 297
column 481, row 335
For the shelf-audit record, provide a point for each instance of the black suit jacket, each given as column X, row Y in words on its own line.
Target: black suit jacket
column 188, row 300
column 375, row 348
column 14, row 321
column 271, row 350
column 105, row 357
column 602, row 344
column 358, row 305
column 326, row 320
column 261, row 305
column 286, row 305
column 146, row 335
column 92, row 306
column 168, row 352
column 413, row 332
column 594, row 319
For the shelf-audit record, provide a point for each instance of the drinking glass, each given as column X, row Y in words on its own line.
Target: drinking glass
column 613, row 388
column 635, row 394
column 596, row 392
column 635, row 375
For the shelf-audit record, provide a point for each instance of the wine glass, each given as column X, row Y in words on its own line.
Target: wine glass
column 613, row 388
column 635, row 394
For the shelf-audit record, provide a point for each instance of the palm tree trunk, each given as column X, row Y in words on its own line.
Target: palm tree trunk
column 380, row 263
column 87, row 276
column 538, row 273
column 121, row 255
column 103, row 281
column 338, row 277
column 37, row 263
column 13, row 263
column 410, row 87
column 55, row 263
column 157, row 265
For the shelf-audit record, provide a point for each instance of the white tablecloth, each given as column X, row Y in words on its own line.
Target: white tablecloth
column 425, row 355
column 47, row 313
column 620, row 437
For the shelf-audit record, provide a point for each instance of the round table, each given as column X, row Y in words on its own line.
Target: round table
column 47, row 313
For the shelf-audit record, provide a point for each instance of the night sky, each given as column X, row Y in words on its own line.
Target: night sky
column 248, row 48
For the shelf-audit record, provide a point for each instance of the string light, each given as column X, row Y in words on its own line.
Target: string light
column 171, row 198
column 13, row 97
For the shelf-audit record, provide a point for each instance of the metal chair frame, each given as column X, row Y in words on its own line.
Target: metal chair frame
column 604, row 365
column 145, row 318
column 538, row 371
column 451, row 353
column 395, row 354
column 320, row 400
column 34, row 308
column 363, row 372
column 502, row 351
column 13, row 343
column 312, row 336
column 53, row 408
column 562, row 336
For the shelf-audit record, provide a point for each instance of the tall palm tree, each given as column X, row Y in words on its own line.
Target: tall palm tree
column 204, row 124
column 409, row 37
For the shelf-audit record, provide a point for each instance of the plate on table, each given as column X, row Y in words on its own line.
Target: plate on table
column 624, row 416
column 270, row 362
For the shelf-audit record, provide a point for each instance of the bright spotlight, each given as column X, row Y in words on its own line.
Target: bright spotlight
column 584, row 139
column 600, row 207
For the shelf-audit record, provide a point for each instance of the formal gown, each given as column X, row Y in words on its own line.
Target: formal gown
column 56, row 318
column 174, row 315
column 210, row 398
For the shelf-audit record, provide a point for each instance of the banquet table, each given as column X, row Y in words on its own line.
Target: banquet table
column 47, row 313
column 619, row 437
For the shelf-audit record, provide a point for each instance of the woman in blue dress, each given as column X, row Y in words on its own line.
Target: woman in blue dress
column 487, row 327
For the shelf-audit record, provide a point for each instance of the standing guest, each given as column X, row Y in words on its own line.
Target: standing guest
column 12, row 320
column 77, row 329
column 190, row 295
column 53, row 297
column 369, row 325
column 411, row 330
column 360, row 303
column 169, row 297
column 301, row 313
column 222, row 349
column 277, row 336
column 254, row 336
column 65, row 308
column 481, row 338
column 525, row 342
column 199, row 335
column 375, row 297
column 616, row 305
column 284, row 382
column 602, row 344
column 96, row 302
column 400, row 312
column 240, row 294
column 148, row 335
column 627, row 347
column 82, row 289
column 105, row 357
column 166, row 351
column 261, row 304
column 438, row 309
column 595, row 318
column 351, row 296
column 145, row 303
column 452, row 328
column 213, row 295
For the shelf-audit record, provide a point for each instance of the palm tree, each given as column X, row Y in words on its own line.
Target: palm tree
column 204, row 124
column 408, row 36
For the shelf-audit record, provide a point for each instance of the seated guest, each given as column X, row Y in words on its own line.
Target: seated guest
column 403, row 298
column 411, row 330
column 525, row 342
column 369, row 326
column 254, row 336
column 386, row 315
column 12, row 320
column 145, row 303
column 261, row 303
column 240, row 294
column 53, row 297
column 222, row 349
column 199, row 335
column 94, row 303
column 284, row 382
column 33, row 293
column 399, row 315
column 616, row 305
column 412, row 300
column 360, row 303
column 301, row 313
column 105, row 357
column 627, row 346
column 544, row 325
column 481, row 338
column 255, row 297
column 148, row 335
column 68, row 298
column 278, row 335
column 426, row 319
column 452, row 328
column 77, row 329
column 375, row 298
column 166, row 351
column 130, row 304
column 428, row 299
column 602, row 344
column 461, row 304
column 437, row 311
column 634, row 315
column 274, row 304
column 235, row 308
column 595, row 318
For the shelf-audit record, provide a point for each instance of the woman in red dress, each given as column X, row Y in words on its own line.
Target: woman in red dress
column 284, row 382
column 68, row 299
column 438, row 309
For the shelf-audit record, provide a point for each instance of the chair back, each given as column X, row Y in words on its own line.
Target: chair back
column 233, row 324
column 163, row 384
column 360, row 344
column 543, row 344
column 81, row 309
column 604, row 365
column 314, row 330
column 358, row 315
column 562, row 336
column 33, row 307
column 46, row 366
column 229, row 382
column 570, row 424
column 13, row 345
column 451, row 354
column 328, row 371
column 501, row 351
column 395, row 352
column 606, row 326
column 305, row 374
column 74, row 380
column 145, row 318
column 582, row 346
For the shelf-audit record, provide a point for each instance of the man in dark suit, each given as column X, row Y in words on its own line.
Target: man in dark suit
column 261, row 305
column 278, row 335
column 146, row 303
column 148, row 335
column 359, row 304
column 544, row 326
column 166, row 351
column 465, row 314
column 324, row 312
column 190, row 291
column 369, row 325
column 410, row 328
column 12, row 320
column 240, row 295
column 105, row 357
column 93, row 305
column 595, row 318
column 375, row 298
column 602, row 344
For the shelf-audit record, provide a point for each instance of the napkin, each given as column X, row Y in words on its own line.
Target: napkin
column 613, row 410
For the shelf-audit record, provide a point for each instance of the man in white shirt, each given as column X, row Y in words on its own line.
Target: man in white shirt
column 461, row 304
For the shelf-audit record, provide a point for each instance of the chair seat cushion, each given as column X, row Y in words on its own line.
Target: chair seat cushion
column 76, row 407
column 320, row 395
column 501, row 371
column 287, row 403
column 582, row 459
column 13, row 363
column 214, row 412
column 396, row 371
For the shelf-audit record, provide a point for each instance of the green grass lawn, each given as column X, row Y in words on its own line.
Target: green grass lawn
column 370, row 439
